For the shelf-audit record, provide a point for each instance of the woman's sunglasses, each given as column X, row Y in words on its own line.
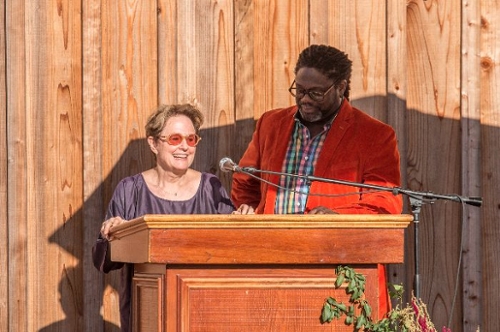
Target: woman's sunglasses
column 176, row 139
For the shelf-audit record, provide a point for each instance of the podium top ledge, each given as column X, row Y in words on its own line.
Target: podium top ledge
column 278, row 221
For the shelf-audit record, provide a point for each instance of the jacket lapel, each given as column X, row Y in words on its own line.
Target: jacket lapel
column 282, row 131
column 332, row 142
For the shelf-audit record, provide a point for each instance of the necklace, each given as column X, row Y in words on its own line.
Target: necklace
column 169, row 192
column 177, row 185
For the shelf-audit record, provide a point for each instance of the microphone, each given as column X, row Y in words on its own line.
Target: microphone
column 226, row 164
column 474, row 201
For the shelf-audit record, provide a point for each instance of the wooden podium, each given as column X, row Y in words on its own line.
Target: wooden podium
column 217, row 273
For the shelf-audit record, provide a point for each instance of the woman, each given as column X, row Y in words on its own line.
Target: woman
column 171, row 187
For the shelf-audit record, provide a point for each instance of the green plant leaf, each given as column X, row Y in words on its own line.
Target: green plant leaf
column 399, row 319
column 326, row 314
column 342, row 307
column 360, row 322
column 350, row 286
column 351, row 310
column 339, row 281
column 331, row 300
column 367, row 309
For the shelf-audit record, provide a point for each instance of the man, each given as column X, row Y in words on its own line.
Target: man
column 323, row 136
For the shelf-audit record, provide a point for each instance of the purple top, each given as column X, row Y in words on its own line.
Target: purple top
column 132, row 199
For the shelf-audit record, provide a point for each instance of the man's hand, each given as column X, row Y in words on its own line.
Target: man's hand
column 244, row 209
column 321, row 210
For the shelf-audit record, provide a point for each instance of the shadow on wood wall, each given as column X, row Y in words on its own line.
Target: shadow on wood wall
column 432, row 162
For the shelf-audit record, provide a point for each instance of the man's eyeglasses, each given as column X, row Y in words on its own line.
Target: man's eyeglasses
column 313, row 94
column 176, row 139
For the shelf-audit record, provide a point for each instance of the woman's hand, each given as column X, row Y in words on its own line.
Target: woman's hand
column 244, row 209
column 108, row 225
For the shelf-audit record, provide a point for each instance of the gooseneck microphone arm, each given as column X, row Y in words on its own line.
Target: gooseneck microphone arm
column 424, row 196
column 417, row 199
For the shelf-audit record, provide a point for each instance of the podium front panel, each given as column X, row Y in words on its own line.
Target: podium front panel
column 264, row 299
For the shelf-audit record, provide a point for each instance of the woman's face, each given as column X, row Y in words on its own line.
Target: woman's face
column 175, row 158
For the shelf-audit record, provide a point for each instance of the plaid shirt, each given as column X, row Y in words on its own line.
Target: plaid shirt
column 300, row 159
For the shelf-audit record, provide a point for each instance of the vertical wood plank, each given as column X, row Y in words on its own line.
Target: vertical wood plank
column 269, row 37
column 4, row 227
column 54, row 149
column 244, row 73
column 282, row 30
column 369, row 23
column 186, row 65
column 130, row 86
column 490, row 163
column 396, row 117
column 34, row 26
column 471, row 161
column 359, row 29
column 17, row 205
column 129, row 95
column 320, row 24
column 93, row 206
column 167, row 51
column 434, row 149
column 206, row 73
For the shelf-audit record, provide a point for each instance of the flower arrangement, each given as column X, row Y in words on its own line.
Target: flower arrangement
column 412, row 317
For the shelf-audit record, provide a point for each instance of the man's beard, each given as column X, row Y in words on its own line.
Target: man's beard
column 317, row 115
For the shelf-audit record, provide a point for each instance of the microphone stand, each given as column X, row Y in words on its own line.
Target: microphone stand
column 417, row 199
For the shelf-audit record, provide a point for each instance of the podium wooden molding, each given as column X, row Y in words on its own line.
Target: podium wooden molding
column 250, row 272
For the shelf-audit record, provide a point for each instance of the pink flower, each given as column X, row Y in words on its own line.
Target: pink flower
column 415, row 307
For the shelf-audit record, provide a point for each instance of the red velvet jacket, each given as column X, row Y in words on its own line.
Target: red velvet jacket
column 358, row 148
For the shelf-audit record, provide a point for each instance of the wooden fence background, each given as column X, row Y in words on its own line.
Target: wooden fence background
column 79, row 78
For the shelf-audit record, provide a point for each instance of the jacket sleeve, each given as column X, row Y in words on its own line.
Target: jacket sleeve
column 382, row 168
column 246, row 189
column 101, row 256
column 379, row 166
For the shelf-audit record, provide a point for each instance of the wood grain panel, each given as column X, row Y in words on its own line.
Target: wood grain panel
column 396, row 117
column 281, row 28
column 54, row 152
column 17, row 169
column 366, row 44
column 359, row 28
column 471, row 164
column 129, row 95
column 274, row 246
column 256, row 299
column 130, row 86
column 244, row 73
column 434, row 148
column 4, row 227
column 64, row 146
column 320, row 25
column 167, row 52
column 490, row 166
column 149, row 307
column 92, row 211
column 206, row 74
column 268, row 239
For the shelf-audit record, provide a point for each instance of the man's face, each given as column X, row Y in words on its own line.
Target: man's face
column 327, row 94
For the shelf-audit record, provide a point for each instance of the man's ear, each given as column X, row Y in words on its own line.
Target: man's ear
column 342, row 86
